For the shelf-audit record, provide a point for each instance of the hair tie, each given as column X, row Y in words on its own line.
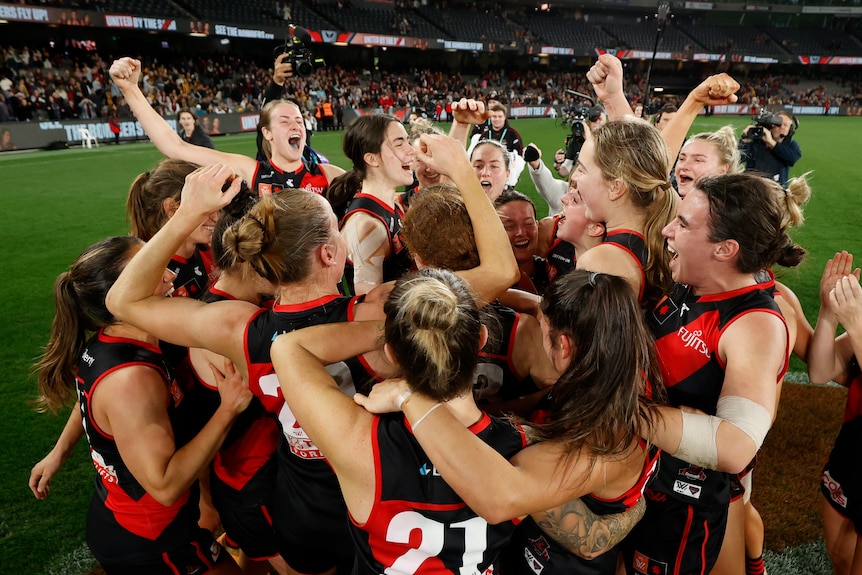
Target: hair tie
column 786, row 191
column 592, row 279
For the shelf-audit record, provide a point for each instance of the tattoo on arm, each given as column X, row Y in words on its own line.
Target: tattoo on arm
column 584, row 533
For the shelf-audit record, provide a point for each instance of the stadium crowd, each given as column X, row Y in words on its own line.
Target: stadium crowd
column 48, row 82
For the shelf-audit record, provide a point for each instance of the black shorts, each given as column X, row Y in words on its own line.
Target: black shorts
column 199, row 556
column 245, row 514
column 841, row 480
column 316, row 557
column 674, row 538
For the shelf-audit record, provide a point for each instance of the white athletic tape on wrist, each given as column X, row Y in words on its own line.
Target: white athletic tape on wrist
column 750, row 417
column 697, row 444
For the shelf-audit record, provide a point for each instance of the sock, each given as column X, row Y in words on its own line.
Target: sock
column 755, row 566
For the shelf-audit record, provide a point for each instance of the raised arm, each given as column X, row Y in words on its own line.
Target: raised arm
column 754, row 349
column 126, row 73
column 606, row 76
column 717, row 90
column 550, row 188
column 497, row 269
column 828, row 356
column 466, row 113
column 183, row 321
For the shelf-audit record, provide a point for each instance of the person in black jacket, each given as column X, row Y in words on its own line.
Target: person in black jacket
column 190, row 131
column 773, row 153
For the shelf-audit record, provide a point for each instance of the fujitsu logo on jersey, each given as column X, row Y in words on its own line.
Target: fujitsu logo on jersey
column 692, row 339
column 314, row 189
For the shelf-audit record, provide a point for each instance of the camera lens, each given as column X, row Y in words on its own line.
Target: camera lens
column 304, row 68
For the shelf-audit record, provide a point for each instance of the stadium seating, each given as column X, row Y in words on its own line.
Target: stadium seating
column 555, row 29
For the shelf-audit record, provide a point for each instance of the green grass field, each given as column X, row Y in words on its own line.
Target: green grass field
column 54, row 204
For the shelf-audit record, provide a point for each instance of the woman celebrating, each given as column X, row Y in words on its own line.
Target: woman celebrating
column 433, row 332
column 835, row 358
column 723, row 347
column 491, row 162
column 154, row 198
column 621, row 176
column 706, row 154
column 382, row 162
column 292, row 240
column 144, row 513
column 589, row 448
column 283, row 131
column 190, row 131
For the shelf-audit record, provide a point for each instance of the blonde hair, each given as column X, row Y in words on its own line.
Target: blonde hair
column 724, row 141
column 278, row 236
column 633, row 151
column 433, row 328
column 794, row 196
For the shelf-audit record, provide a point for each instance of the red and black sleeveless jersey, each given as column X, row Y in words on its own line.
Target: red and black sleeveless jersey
column 270, row 179
column 533, row 551
column 687, row 328
column 253, row 438
column 633, row 243
column 195, row 274
column 496, row 378
column 302, row 467
column 125, row 524
column 561, row 255
column 418, row 524
column 398, row 262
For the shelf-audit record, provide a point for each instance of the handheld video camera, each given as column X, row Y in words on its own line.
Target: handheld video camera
column 766, row 120
column 577, row 115
column 303, row 61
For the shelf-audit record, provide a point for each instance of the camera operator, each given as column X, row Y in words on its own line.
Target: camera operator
column 768, row 147
column 565, row 158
